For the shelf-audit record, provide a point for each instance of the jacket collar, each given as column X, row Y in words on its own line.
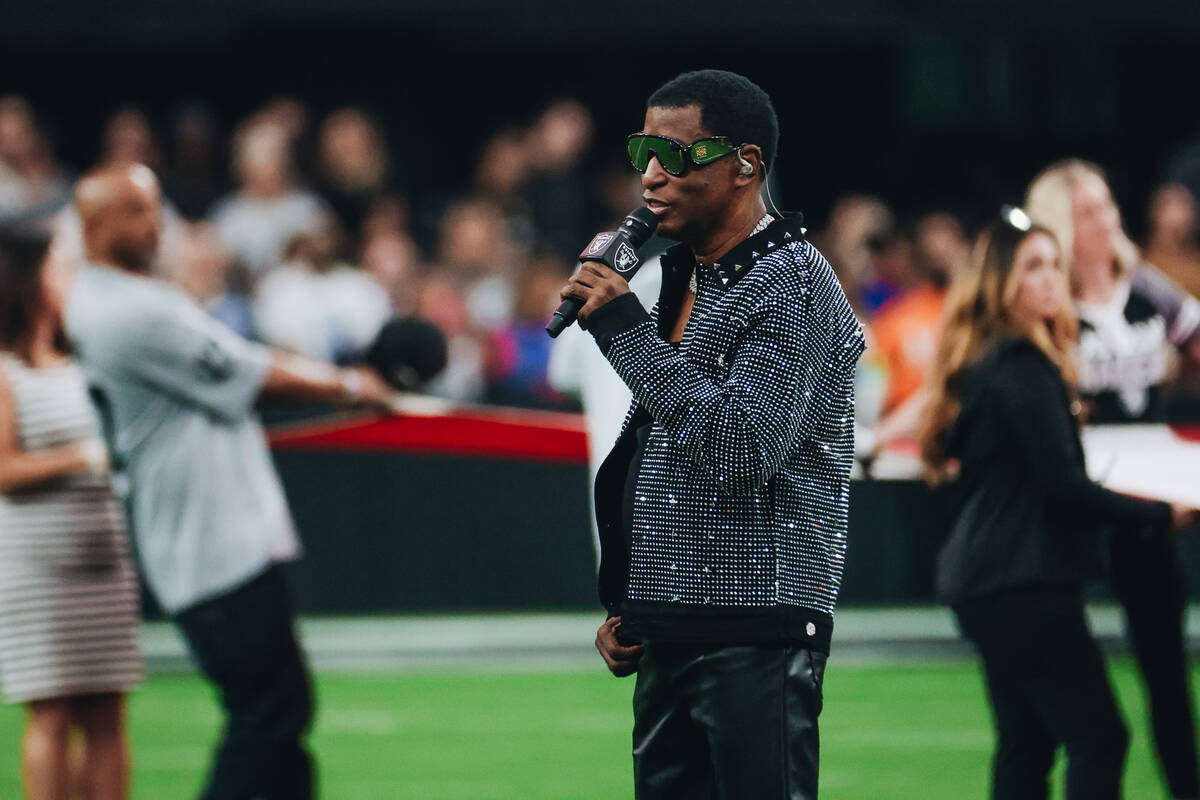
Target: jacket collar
column 733, row 265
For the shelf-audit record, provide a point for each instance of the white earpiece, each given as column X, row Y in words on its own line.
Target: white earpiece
column 747, row 167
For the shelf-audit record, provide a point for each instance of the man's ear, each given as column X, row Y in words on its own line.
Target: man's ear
column 750, row 164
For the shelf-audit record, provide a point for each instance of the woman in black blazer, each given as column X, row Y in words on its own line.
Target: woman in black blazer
column 1026, row 535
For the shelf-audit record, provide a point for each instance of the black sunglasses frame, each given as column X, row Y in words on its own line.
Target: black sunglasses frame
column 686, row 149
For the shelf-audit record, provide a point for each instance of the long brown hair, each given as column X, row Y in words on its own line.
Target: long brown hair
column 978, row 316
column 22, row 258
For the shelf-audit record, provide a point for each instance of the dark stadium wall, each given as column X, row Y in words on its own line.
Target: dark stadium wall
column 489, row 510
column 928, row 104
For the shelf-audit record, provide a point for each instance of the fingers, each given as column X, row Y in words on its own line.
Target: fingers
column 575, row 288
column 594, row 268
column 623, row 670
column 621, row 661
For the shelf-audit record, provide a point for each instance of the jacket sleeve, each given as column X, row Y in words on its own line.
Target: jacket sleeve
column 742, row 431
column 1179, row 310
column 1031, row 399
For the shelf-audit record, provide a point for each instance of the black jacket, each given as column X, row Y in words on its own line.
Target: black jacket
column 740, row 499
column 1027, row 512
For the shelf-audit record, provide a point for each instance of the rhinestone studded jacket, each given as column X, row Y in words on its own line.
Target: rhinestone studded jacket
column 740, row 502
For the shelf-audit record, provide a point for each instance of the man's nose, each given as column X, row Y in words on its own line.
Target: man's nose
column 654, row 175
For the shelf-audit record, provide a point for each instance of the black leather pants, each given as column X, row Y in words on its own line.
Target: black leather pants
column 727, row 723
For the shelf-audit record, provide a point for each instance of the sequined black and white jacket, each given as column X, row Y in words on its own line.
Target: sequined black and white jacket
column 733, row 527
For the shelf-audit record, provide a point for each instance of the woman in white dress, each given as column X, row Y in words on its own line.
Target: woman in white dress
column 68, row 596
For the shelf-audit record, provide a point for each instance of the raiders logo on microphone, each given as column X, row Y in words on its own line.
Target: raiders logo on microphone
column 598, row 244
column 625, row 259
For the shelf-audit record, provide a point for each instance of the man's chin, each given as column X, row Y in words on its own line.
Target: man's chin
column 136, row 261
column 669, row 229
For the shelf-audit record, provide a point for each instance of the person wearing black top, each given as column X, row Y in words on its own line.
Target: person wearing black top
column 1131, row 318
column 1026, row 536
column 722, row 507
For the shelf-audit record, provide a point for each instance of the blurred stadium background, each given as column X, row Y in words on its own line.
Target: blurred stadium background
column 454, row 156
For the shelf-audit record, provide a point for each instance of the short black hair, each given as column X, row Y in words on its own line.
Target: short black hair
column 730, row 105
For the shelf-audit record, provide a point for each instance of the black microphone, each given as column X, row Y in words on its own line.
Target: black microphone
column 615, row 249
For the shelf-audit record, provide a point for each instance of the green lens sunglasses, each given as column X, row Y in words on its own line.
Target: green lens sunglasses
column 674, row 155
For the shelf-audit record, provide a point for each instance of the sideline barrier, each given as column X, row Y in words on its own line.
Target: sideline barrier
column 442, row 508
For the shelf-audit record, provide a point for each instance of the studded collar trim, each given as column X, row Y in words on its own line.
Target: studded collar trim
column 733, row 266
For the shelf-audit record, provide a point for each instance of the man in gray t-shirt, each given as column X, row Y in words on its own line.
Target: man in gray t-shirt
column 209, row 516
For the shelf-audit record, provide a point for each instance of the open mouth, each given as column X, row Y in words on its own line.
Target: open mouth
column 657, row 206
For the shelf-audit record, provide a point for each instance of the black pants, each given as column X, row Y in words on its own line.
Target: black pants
column 244, row 642
column 1048, row 687
column 726, row 723
column 1148, row 578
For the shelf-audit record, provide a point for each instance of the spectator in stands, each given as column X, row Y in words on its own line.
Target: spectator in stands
column 289, row 113
column 904, row 333
column 1183, row 167
column 906, row 330
column 392, row 259
column 1171, row 241
column 476, row 251
column 858, row 227
column 1029, row 522
column 1131, row 317
column 318, row 306
column 200, row 265
column 389, row 214
column 441, row 303
column 519, row 352
column 194, row 179
column 268, row 209
column 559, row 195
column 68, row 593
column 354, row 169
column 33, row 187
column 891, row 273
column 501, row 174
column 129, row 139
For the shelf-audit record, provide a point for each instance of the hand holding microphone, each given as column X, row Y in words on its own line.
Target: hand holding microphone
column 607, row 264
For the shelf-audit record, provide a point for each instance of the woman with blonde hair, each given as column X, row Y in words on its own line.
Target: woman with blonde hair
column 1026, row 535
column 68, row 595
column 1131, row 319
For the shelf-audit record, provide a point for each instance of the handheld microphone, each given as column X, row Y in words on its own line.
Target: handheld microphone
column 615, row 249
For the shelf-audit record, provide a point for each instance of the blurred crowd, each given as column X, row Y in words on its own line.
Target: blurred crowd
column 299, row 231
column 897, row 274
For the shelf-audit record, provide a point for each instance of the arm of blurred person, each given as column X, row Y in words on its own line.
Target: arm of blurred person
column 291, row 377
column 904, row 422
column 183, row 352
column 1031, row 400
column 1179, row 310
column 22, row 470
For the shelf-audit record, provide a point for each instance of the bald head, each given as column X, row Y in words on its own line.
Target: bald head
column 120, row 213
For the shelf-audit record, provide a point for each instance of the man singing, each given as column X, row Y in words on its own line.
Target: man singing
column 722, row 508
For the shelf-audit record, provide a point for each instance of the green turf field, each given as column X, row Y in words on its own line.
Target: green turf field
column 888, row 733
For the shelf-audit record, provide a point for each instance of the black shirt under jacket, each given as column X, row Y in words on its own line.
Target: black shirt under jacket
column 1027, row 513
